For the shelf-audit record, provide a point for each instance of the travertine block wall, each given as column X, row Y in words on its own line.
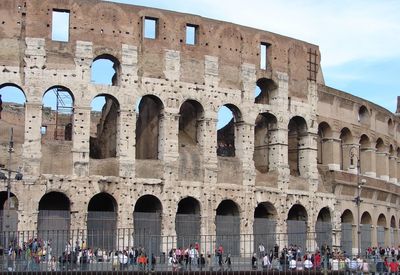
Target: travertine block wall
column 223, row 68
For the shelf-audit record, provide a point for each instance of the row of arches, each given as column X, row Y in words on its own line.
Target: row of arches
column 104, row 134
column 371, row 156
column 54, row 218
column 386, row 233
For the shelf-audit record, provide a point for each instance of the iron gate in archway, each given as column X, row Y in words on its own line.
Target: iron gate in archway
column 101, row 229
column 264, row 231
column 346, row 241
column 53, row 227
column 297, row 233
column 147, row 231
column 323, row 232
column 187, row 228
column 228, row 233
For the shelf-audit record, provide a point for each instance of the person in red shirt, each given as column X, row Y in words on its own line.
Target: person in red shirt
column 394, row 266
column 317, row 260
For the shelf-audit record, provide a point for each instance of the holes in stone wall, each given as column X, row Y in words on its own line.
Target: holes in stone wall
column 105, row 70
column 363, row 115
column 60, row 25
column 150, row 28
column 192, row 34
column 104, row 127
column 263, row 137
column 57, row 114
column 264, row 53
column 190, row 113
column 324, row 136
column 227, row 116
column 297, row 131
column 265, row 89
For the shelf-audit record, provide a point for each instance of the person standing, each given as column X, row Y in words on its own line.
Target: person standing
column 228, row 262
column 266, row 262
column 254, row 262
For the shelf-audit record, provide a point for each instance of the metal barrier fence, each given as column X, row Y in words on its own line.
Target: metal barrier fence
column 128, row 250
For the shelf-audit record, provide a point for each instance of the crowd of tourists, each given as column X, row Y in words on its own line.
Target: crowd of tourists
column 38, row 254
column 381, row 260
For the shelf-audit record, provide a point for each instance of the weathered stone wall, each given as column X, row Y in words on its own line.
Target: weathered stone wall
column 221, row 69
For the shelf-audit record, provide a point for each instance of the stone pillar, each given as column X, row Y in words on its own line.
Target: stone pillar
column 168, row 142
column 311, row 235
column 367, row 162
column 244, row 145
column 374, row 237
column 307, row 159
column 398, row 170
column 126, row 143
column 382, row 165
column 81, row 143
column 336, row 228
column 393, row 169
column 331, row 153
column 32, row 145
column 278, row 149
column 208, row 139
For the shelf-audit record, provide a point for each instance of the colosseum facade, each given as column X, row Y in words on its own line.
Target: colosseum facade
column 290, row 161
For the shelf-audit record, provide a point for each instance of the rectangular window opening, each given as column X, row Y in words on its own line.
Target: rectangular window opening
column 150, row 27
column 60, row 25
column 43, row 130
column 191, row 34
column 264, row 55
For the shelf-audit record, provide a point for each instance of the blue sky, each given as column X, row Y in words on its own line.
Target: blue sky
column 359, row 39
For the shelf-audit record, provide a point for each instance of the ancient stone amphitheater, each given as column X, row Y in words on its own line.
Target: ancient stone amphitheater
column 290, row 163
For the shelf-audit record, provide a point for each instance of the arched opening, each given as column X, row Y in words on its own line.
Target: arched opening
column 187, row 222
column 227, row 223
column 8, row 218
column 349, row 152
column 147, row 224
column 393, row 232
column 381, row 159
column 365, row 154
column 105, row 70
column 297, row 132
column 381, row 230
column 325, row 146
column 104, row 136
column 297, row 226
column 323, row 228
column 148, row 127
column 366, row 231
column 191, row 132
column 12, row 115
column 54, row 220
column 264, row 138
column 102, row 222
column 226, row 138
column 348, row 234
column 390, row 127
column 364, row 116
column 264, row 90
column 264, row 227
column 56, row 131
